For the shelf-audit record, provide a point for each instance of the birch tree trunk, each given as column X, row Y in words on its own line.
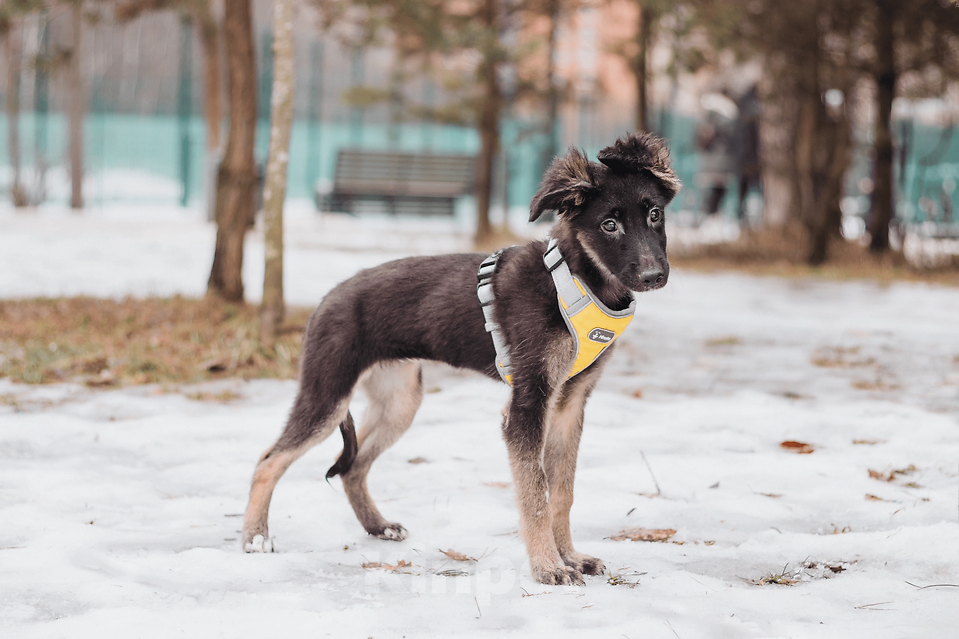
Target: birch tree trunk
column 77, row 104
column 236, row 180
column 210, row 37
column 281, row 109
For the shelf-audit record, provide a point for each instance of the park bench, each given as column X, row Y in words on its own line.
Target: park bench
column 399, row 183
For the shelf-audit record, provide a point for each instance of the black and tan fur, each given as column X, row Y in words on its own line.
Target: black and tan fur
column 373, row 329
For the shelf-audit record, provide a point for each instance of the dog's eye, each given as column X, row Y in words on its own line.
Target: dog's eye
column 610, row 226
column 655, row 215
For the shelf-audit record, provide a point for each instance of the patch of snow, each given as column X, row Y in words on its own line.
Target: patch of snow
column 123, row 508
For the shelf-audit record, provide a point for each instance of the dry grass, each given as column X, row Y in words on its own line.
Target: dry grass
column 622, row 578
column 841, row 357
column 499, row 237
column 783, row 254
column 140, row 341
column 781, row 579
column 723, row 341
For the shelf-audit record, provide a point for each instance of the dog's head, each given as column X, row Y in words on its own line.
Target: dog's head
column 615, row 210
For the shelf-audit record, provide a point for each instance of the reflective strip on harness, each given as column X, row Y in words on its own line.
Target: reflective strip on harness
column 484, row 291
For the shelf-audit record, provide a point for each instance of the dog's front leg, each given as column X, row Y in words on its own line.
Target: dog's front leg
column 562, row 446
column 524, row 431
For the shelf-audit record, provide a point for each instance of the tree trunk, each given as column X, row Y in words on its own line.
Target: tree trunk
column 551, row 148
column 777, row 159
column 822, row 155
column 886, row 85
column 213, row 109
column 492, row 99
column 815, row 150
column 236, row 180
column 14, row 59
column 281, row 114
column 806, row 139
column 834, row 143
column 644, row 31
column 77, row 104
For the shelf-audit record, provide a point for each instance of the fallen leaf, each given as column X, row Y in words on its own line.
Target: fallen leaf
column 644, row 534
column 638, row 393
column 870, row 497
column 836, row 569
column 868, row 442
column 497, row 484
column 418, row 460
column 456, row 556
column 797, row 447
column 370, row 565
column 892, row 474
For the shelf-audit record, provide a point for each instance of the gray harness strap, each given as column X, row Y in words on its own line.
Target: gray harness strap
column 484, row 291
column 574, row 298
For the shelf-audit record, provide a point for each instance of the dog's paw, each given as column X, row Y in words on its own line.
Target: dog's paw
column 259, row 543
column 558, row 576
column 584, row 563
column 390, row 532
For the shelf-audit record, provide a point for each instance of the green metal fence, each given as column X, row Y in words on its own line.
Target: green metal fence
column 171, row 150
column 161, row 159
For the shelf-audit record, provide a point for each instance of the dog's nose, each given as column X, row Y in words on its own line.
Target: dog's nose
column 652, row 277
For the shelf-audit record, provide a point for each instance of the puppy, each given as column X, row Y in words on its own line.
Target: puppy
column 375, row 328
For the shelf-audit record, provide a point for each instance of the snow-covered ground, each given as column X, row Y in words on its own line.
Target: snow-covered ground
column 122, row 508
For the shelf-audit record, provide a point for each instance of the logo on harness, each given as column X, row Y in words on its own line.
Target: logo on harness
column 601, row 335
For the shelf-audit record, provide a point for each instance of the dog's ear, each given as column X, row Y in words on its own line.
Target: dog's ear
column 642, row 151
column 565, row 186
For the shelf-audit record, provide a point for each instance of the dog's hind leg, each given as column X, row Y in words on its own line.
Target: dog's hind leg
column 395, row 391
column 307, row 426
column 559, row 459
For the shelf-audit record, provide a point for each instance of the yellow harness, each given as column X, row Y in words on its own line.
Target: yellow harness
column 592, row 324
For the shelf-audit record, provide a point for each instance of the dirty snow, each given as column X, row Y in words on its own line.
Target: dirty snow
column 122, row 507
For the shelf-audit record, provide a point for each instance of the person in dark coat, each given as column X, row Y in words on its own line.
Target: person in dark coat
column 715, row 141
column 748, row 167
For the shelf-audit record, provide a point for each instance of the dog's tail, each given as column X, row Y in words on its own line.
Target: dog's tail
column 345, row 461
